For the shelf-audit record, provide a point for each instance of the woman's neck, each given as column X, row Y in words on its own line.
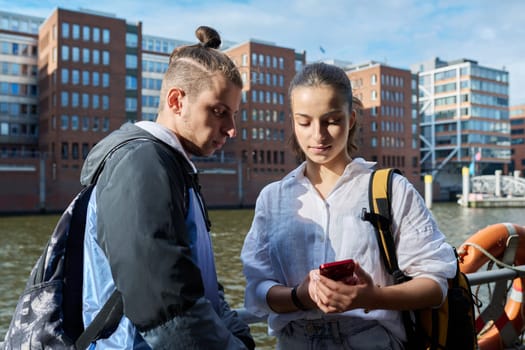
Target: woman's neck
column 324, row 176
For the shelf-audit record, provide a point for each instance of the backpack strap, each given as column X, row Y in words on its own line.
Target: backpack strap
column 380, row 216
column 379, row 196
column 105, row 323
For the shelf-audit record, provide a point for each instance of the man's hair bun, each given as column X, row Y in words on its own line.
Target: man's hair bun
column 208, row 37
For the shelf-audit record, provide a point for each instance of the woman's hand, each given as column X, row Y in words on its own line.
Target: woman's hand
column 339, row 296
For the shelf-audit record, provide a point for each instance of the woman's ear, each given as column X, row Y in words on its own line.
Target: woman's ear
column 174, row 99
column 352, row 120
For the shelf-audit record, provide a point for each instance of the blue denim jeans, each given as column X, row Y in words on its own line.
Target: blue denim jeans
column 347, row 333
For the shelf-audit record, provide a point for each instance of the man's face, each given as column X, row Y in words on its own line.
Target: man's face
column 208, row 119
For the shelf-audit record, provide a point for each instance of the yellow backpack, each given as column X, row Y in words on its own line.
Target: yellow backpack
column 452, row 325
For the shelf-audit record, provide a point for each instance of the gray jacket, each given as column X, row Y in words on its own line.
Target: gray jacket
column 147, row 235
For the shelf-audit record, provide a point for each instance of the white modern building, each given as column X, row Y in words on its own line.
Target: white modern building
column 464, row 120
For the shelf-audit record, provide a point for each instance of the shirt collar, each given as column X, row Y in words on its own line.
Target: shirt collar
column 166, row 135
column 357, row 166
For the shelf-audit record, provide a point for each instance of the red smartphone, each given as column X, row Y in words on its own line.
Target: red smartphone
column 338, row 270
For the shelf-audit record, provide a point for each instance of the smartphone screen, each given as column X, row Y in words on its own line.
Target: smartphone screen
column 338, row 270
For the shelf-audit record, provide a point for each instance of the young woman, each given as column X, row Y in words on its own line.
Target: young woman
column 312, row 216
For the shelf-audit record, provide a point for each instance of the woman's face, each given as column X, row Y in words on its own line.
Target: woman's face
column 321, row 120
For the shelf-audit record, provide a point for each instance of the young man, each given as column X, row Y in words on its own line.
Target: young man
column 147, row 232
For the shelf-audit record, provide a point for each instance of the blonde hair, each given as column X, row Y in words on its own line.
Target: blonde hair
column 191, row 67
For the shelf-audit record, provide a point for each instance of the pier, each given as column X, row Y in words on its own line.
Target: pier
column 490, row 191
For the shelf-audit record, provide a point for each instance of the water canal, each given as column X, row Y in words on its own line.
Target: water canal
column 23, row 237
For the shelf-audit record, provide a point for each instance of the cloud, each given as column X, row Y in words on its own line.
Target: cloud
column 398, row 32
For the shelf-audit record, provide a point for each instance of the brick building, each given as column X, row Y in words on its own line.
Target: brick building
column 68, row 80
column 388, row 125
column 89, row 84
column 260, row 153
column 517, row 132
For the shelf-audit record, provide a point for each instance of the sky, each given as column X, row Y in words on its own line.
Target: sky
column 399, row 33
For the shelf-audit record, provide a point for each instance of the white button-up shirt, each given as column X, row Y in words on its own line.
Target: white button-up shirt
column 295, row 230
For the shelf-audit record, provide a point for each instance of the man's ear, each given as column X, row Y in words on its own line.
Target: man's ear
column 174, row 99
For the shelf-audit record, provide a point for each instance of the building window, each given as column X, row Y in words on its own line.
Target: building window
column 64, row 78
column 105, row 102
column 65, row 53
column 131, row 104
column 64, row 99
column 95, row 79
column 85, row 78
column 85, row 55
column 95, row 123
column 105, row 58
column 105, row 79
column 85, row 33
column 131, row 40
column 85, row 100
column 74, row 123
column 105, row 36
column 96, row 101
column 85, row 150
column 74, row 99
column 373, row 79
column 64, row 122
column 65, row 30
column 131, row 82
column 105, row 124
column 96, row 34
column 85, row 123
column 75, row 54
column 65, row 150
column 76, row 31
column 131, row 61
column 95, row 56
column 75, row 76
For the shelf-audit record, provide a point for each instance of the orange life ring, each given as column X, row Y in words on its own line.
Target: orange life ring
column 505, row 327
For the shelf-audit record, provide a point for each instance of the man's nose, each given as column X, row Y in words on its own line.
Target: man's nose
column 229, row 127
